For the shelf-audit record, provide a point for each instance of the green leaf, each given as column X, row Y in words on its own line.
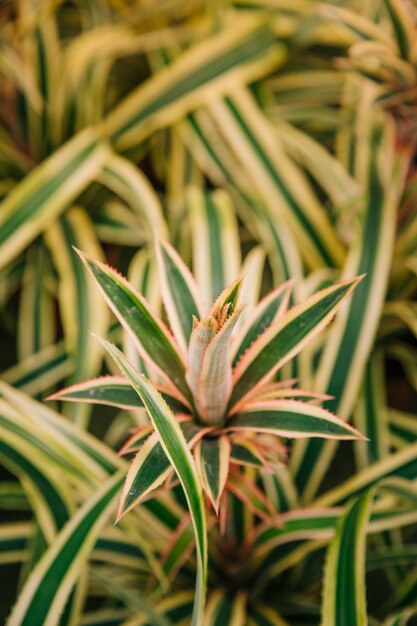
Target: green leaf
column 81, row 312
column 245, row 453
column 215, row 378
column 264, row 615
column 40, row 371
column 175, row 446
column 269, row 310
column 215, row 237
column 148, row 470
column 344, row 599
column 226, row 609
column 113, row 391
column 179, row 550
column 179, row 292
column 13, row 542
column 371, row 415
column 36, row 324
column 276, row 178
column 286, row 338
column 48, row 497
column 151, row 337
column 212, row 458
column 401, row 618
column 127, row 181
column 47, row 191
column 151, row 465
column 43, row 596
column 216, row 163
column 246, row 50
column 382, row 167
column 291, row 418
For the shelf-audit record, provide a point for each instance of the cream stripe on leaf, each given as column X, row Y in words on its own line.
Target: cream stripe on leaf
column 279, row 182
column 351, row 338
column 111, row 390
column 371, row 414
column 175, row 447
column 59, row 568
column 290, row 418
column 14, row 539
column 401, row 464
column 152, row 338
column 226, row 609
column 215, row 239
column 278, row 240
column 212, row 458
column 344, row 599
column 244, row 50
column 83, row 459
column 49, row 499
column 81, row 312
column 319, row 523
column 179, row 292
column 36, row 326
column 269, row 310
column 127, row 181
column 48, row 190
column 285, row 338
column 264, row 615
column 301, row 532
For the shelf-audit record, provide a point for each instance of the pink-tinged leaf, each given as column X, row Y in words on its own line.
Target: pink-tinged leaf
column 215, row 379
column 203, row 332
column 212, row 457
column 286, row 338
column 113, row 391
column 246, row 490
column 292, row 419
column 147, row 471
column 192, row 432
column 227, row 300
column 269, row 310
column 246, row 452
column 154, row 342
column 135, row 441
column 176, row 449
column 179, row 292
column 278, row 392
column 179, row 548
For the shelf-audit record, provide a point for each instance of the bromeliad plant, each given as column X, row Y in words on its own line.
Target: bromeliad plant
column 212, row 389
column 213, row 376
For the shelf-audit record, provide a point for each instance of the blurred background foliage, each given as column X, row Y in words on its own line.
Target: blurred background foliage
column 280, row 134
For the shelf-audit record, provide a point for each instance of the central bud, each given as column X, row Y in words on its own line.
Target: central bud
column 209, row 371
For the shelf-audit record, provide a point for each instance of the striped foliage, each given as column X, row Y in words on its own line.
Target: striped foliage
column 242, row 163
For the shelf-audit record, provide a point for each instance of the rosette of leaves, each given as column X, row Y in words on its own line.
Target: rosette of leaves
column 213, row 404
column 212, row 375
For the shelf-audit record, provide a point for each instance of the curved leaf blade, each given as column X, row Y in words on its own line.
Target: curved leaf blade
column 284, row 339
column 269, row 310
column 293, row 419
column 113, row 391
column 151, row 337
column 151, row 466
column 175, row 446
column 212, row 458
column 179, row 292
column 344, row 599
column 47, row 191
column 54, row 576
